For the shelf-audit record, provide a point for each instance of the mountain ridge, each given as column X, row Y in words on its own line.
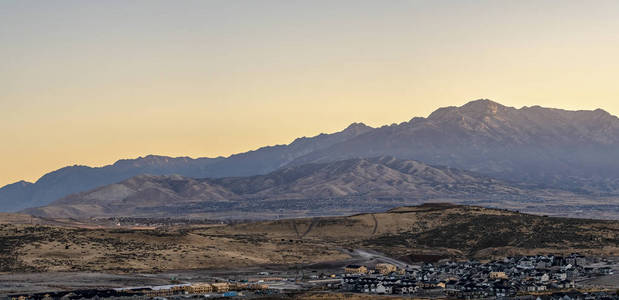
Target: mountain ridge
column 342, row 187
column 541, row 144
column 537, row 146
column 77, row 178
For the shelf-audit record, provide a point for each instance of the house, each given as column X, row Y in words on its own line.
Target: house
column 383, row 289
column 384, row 268
column 221, row 287
column 543, row 264
column 565, row 284
column 541, row 287
column 403, row 289
column 200, row 288
column 541, row 277
column 575, row 259
column 451, row 285
column 567, row 296
column 356, row 269
column 525, row 263
column 560, row 276
column 471, row 290
column 531, row 287
column 498, row 275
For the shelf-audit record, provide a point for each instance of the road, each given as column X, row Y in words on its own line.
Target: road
column 373, row 255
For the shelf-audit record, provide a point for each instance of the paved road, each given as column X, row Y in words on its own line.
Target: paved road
column 369, row 254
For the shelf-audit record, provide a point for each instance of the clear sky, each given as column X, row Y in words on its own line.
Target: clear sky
column 89, row 82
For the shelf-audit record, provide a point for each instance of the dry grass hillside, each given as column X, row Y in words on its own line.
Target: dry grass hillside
column 407, row 233
column 453, row 230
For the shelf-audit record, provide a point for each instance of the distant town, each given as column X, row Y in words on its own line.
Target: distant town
column 511, row 277
column 525, row 277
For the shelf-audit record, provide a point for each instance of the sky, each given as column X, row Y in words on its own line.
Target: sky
column 91, row 82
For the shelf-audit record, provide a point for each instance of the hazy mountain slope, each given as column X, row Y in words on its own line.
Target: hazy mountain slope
column 68, row 180
column 15, row 195
column 542, row 146
column 267, row 159
column 76, row 179
column 350, row 185
column 384, row 176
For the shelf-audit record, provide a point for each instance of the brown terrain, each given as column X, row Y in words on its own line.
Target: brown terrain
column 406, row 233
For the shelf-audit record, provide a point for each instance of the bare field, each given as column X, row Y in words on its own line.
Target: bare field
column 435, row 230
column 46, row 248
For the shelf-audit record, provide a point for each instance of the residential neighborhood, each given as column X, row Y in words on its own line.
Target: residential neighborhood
column 509, row 277
column 540, row 277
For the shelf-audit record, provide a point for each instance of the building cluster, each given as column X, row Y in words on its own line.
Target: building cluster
column 196, row 288
column 471, row 279
column 223, row 289
column 542, row 277
column 381, row 268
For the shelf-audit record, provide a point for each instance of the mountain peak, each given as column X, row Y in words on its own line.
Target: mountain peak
column 357, row 128
column 151, row 160
column 21, row 184
column 602, row 112
column 476, row 109
column 482, row 106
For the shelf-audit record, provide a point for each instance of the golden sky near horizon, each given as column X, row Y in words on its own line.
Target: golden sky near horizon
column 90, row 82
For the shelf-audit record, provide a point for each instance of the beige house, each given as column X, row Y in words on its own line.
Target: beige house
column 221, row 286
column 200, row 288
column 384, row 268
column 355, row 269
column 498, row 275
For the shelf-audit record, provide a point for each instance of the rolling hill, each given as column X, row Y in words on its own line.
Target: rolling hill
column 334, row 188
column 436, row 230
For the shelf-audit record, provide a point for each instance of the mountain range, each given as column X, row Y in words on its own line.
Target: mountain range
column 74, row 179
column 575, row 150
column 531, row 148
column 324, row 188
